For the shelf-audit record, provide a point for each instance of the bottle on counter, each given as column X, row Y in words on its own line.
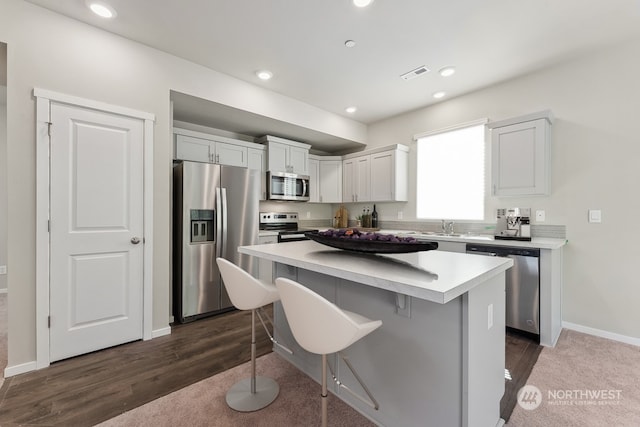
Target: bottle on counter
column 374, row 218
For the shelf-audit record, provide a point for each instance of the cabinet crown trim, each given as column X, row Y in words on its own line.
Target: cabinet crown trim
column 270, row 138
column 399, row 147
column 217, row 138
column 545, row 114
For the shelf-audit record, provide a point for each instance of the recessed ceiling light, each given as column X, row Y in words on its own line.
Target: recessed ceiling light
column 351, row 110
column 362, row 3
column 349, row 43
column 101, row 9
column 439, row 95
column 264, row 74
column 447, row 71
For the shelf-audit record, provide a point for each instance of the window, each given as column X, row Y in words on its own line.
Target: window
column 450, row 173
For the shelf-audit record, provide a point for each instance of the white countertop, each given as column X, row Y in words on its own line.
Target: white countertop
column 536, row 242
column 437, row 276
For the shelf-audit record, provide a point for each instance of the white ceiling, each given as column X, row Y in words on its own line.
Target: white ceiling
column 302, row 42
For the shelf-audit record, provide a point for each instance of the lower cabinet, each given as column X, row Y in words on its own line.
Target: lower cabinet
column 265, row 268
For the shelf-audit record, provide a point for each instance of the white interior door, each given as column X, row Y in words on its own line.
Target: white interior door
column 96, row 238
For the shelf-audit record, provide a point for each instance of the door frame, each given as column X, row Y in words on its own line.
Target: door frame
column 43, row 109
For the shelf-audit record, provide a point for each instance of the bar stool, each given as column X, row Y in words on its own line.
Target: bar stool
column 249, row 293
column 323, row 328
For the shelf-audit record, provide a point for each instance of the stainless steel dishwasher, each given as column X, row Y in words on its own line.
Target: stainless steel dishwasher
column 522, row 284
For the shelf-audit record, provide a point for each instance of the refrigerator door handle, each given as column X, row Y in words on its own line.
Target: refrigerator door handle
column 224, row 218
column 218, row 223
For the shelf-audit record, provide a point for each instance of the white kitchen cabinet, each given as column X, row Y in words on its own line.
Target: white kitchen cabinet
column 314, row 179
column 330, row 180
column 520, row 155
column 381, row 175
column 201, row 147
column 325, row 179
column 265, row 267
column 257, row 159
column 284, row 155
column 389, row 176
column 356, row 179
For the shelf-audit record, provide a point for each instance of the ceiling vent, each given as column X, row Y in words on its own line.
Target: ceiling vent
column 415, row 73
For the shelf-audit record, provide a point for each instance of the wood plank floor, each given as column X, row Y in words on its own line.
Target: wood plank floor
column 521, row 353
column 92, row 388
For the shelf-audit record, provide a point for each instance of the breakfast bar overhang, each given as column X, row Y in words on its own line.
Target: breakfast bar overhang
column 437, row 359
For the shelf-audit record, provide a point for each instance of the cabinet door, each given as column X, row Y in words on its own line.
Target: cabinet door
column 256, row 159
column 194, row 149
column 231, row 155
column 314, row 181
column 520, row 159
column 363, row 179
column 278, row 157
column 383, row 176
column 348, row 179
column 299, row 160
column 330, row 179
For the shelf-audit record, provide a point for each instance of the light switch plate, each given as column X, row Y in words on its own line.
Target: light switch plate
column 540, row 216
column 595, row 215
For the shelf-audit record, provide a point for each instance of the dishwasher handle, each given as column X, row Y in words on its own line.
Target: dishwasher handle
column 502, row 251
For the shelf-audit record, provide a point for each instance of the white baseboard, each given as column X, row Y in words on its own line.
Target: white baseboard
column 602, row 334
column 4, row 291
column 161, row 332
column 10, row 371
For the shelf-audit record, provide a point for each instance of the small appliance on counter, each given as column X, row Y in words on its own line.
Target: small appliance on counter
column 513, row 224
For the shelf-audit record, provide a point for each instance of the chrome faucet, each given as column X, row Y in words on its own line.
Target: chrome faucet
column 447, row 227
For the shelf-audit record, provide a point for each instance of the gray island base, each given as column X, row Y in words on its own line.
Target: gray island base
column 437, row 359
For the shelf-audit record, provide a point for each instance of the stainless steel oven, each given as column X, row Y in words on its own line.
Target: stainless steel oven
column 287, row 186
column 285, row 223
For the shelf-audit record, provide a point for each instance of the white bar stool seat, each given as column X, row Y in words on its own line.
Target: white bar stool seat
column 249, row 293
column 321, row 327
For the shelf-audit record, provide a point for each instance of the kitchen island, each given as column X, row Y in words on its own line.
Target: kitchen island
column 437, row 359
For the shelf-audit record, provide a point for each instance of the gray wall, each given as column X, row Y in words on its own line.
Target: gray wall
column 3, row 183
column 52, row 52
column 595, row 155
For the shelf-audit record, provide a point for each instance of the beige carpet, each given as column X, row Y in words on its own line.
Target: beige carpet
column 579, row 365
column 203, row 404
column 584, row 381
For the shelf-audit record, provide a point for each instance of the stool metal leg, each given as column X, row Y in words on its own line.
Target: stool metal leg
column 324, row 390
column 251, row 394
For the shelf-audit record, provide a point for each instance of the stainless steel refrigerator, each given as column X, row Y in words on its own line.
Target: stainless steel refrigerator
column 215, row 211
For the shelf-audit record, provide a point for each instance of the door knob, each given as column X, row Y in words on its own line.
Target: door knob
column 135, row 240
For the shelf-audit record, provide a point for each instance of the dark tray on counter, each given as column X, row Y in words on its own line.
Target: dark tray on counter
column 371, row 246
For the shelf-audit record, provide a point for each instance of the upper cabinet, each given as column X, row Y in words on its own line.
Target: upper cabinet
column 284, row 155
column 202, row 147
column 325, row 179
column 356, row 179
column 520, row 155
column 379, row 175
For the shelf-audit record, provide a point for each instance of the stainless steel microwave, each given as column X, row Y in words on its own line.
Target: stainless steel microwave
column 287, row 186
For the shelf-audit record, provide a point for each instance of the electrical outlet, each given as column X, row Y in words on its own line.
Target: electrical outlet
column 540, row 216
column 595, row 215
column 400, row 214
column 489, row 316
column 3, row 269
